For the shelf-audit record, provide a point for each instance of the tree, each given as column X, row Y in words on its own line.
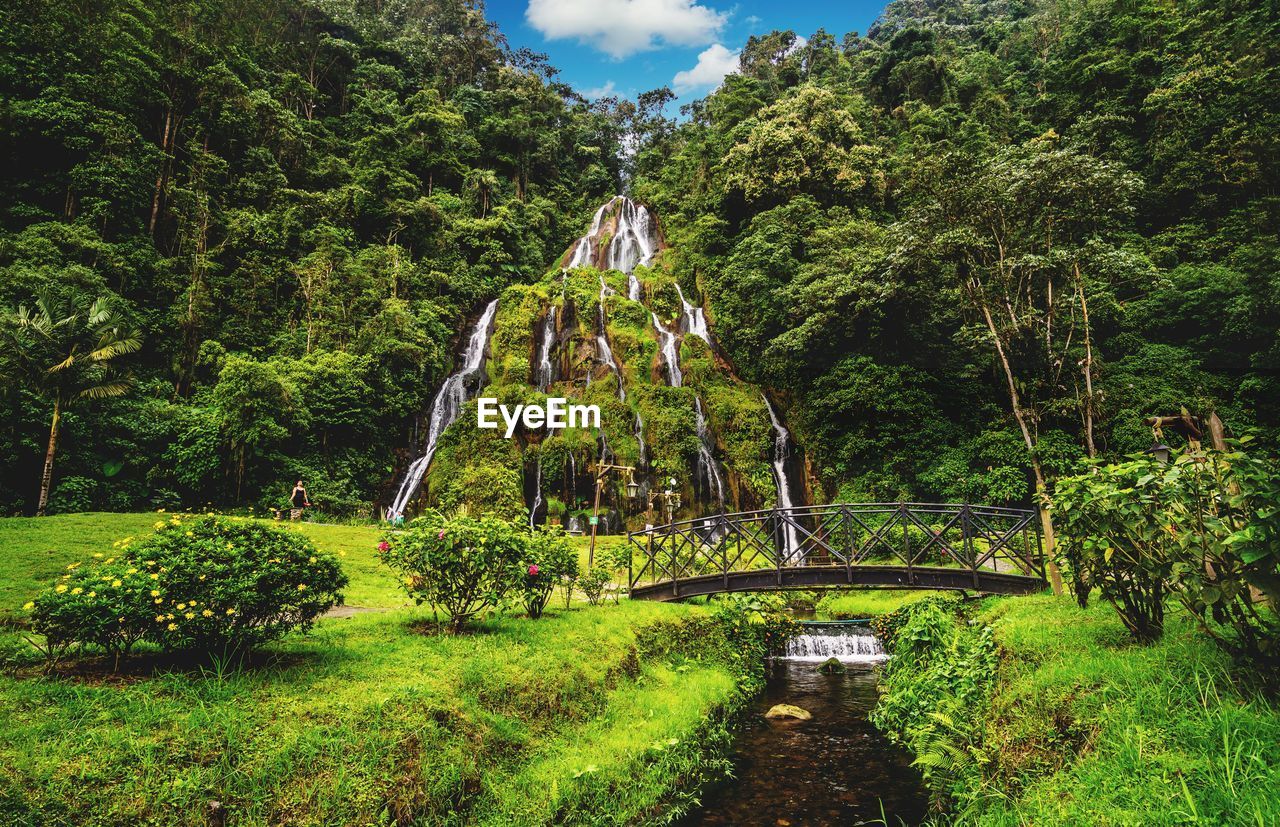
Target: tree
column 68, row 355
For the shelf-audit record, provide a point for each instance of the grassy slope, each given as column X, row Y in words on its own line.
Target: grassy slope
column 855, row 604
column 365, row 719
column 1090, row 729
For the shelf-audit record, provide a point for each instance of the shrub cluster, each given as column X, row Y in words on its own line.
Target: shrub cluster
column 208, row 584
column 468, row 566
column 1204, row 528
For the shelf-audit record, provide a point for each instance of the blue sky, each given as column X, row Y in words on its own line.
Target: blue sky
column 625, row 47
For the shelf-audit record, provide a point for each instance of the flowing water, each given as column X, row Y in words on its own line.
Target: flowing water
column 835, row 769
column 781, row 453
column 603, row 351
column 670, row 352
column 546, row 368
column 707, row 470
column 695, row 321
column 447, row 404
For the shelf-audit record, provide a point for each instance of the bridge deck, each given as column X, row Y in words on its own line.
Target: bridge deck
column 894, row 545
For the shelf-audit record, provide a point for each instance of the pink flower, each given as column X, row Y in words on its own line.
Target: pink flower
column 440, row 536
column 384, row 546
column 533, row 570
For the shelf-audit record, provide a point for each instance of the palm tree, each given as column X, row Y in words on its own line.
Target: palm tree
column 484, row 182
column 68, row 355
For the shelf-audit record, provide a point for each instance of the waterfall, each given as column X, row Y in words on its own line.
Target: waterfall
column 602, row 340
column 546, row 370
column 695, row 321
column 447, row 405
column 670, row 352
column 847, row 644
column 707, row 468
column 644, row 451
column 537, row 495
column 781, row 453
column 634, row 241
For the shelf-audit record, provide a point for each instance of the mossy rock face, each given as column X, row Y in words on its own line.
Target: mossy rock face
column 736, row 414
column 788, row 712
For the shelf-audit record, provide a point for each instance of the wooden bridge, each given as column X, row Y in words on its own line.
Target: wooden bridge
column 893, row 545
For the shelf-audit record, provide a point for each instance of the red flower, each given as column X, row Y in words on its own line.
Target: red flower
column 533, row 570
column 384, row 546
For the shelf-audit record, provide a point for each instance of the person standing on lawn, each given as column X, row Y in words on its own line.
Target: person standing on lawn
column 300, row 501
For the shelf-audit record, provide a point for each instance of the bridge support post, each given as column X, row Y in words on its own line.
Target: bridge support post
column 906, row 544
column 970, row 558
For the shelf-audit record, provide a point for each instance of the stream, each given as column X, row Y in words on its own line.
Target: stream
column 836, row 769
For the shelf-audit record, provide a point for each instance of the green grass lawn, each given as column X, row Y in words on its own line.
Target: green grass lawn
column 854, row 604
column 1086, row 727
column 367, row 720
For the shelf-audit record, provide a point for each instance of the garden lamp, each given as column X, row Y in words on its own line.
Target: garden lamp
column 1160, row 451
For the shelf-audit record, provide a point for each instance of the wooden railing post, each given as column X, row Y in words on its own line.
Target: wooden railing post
column 906, row 543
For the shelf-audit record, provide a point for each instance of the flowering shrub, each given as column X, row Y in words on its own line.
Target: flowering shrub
column 233, row 585
column 465, row 566
column 210, row 584
column 592, row 584
column 548, row 560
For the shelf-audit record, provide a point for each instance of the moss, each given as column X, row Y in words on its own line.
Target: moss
column 511, row 349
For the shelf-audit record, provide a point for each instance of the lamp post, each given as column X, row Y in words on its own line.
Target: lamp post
column 633, row 488
column 670, row 496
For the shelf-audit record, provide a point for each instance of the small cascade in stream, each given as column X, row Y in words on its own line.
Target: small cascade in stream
column 537, row 492
column 781, row 453
column 457, row 389
column 634, row 242
column 546, row 368
column 695, row 321
column 670, row 352
column 708, row 470
column 851, row 644
column 603, row 350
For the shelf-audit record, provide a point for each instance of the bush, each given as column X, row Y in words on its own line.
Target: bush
column 211, row 584
column 548, row 560
column 233, row 585
column 465, row 565
column 592, row 584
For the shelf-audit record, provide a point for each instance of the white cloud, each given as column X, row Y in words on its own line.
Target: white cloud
column 623, row 27
column 599, row 91
column 713, row 64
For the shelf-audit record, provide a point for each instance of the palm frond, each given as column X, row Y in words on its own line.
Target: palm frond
column 104, row 391
column 115, row 344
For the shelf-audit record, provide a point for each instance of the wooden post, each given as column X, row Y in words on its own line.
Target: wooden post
column 595, row 521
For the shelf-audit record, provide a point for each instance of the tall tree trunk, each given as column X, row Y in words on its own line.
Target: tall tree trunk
column 1087, row 367
column 1046, row 519
column 46, row 478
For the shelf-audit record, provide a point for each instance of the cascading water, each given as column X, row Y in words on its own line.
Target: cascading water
column 695, row 321
column 644, row 451
column 634, row 241
column 670, row 352
column 708, row 470
column 852, row 644
column 603, row 350
column 546, row 368
column 537, row 492
column 781, row 453
column 446, row 406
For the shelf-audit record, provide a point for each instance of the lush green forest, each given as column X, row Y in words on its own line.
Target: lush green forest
column 987, row 239
column 969, row 248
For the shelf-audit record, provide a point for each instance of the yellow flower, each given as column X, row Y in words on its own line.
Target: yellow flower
column 194, row 603
column 92, row 594
column 132, row 571
column 168, row 616
column 182, row 606
column 158, row 601
column 155, row 577
column 159, row 523
column 98, row 554
column 202, row 577
column 159, row 618
column 231, row 611
column 159, row 510
column 149, row 563
column 28, row 606
column 60, row 588
column 155, row 592
column 115, row 584
column 207, row 613
column 190, row 615
column 302, row 587
column 173, row 627
column 77, row 590
column 109, row 560
column 189, row 534
column 73, row 567
column 311, row 560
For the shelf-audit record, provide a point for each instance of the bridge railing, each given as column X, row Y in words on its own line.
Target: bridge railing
column 910, row 536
